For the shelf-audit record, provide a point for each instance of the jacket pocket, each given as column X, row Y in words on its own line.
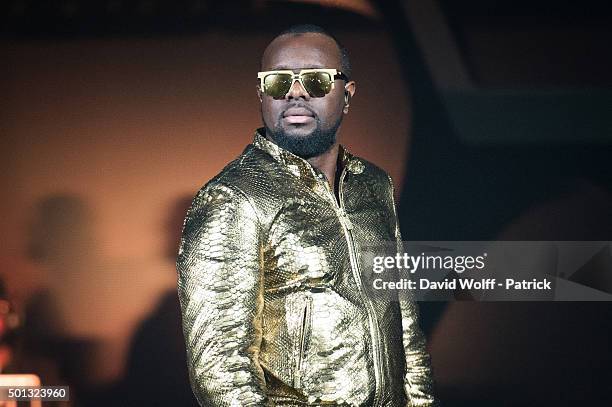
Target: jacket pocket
column 301, row 339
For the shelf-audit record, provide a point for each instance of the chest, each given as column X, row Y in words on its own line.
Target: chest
column 312, row 238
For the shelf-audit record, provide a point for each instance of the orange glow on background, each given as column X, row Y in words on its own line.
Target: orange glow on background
column 128, row 127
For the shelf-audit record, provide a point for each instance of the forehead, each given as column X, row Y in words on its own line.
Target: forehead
column 309, row 50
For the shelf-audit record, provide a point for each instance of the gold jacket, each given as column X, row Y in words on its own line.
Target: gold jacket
column 273, row 305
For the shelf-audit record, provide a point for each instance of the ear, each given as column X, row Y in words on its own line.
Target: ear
column 349, row 91
column 259, row 93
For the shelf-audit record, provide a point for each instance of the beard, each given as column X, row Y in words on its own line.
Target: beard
column 305, row 146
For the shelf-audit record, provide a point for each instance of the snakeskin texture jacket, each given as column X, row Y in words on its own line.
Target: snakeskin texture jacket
column 273, row 304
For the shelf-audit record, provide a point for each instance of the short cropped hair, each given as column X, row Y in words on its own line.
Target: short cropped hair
column 345, row 63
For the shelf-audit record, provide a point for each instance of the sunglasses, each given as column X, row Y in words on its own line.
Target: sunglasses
column 317, row 82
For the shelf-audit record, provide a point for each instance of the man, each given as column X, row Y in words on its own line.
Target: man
column 274, row 308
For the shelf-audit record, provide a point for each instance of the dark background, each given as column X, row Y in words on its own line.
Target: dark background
column 493, row 117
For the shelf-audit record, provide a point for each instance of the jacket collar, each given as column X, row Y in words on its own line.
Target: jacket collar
column 299, row 166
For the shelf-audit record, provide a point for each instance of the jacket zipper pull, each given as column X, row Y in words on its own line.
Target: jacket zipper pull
column 345, row 219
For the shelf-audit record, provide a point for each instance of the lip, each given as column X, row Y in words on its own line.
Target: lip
column 298, row 119
column 298, row 112
column 298, row 115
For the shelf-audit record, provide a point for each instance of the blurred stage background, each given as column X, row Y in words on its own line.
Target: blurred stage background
column 493, row 117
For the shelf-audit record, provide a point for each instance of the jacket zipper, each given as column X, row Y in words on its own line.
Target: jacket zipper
column 304, row 324
column 347, row 227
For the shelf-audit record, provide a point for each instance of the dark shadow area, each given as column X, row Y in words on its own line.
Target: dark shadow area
column 156, row 368
column 47, row 343
column 505, row 354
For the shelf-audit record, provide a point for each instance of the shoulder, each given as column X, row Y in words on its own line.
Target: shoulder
column 218, row 205
column 236, row 186
column 247, row 173
column 374, row 175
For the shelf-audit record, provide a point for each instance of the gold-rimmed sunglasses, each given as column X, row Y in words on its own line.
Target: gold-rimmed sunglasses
column 318, row 82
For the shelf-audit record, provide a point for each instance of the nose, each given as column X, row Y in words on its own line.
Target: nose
column 297, row 91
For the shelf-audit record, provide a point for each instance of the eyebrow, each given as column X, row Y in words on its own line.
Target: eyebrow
column 287, row 68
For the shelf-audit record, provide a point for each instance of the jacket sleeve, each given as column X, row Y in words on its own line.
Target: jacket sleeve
column 418, row 381
column 220, row 292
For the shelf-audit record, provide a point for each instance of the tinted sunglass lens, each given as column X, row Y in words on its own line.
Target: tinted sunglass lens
column 318, row 84
column 277, row 85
